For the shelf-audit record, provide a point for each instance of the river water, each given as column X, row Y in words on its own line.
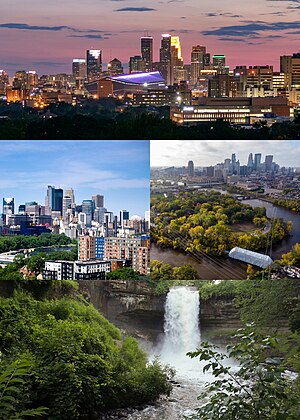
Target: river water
column 225, row 268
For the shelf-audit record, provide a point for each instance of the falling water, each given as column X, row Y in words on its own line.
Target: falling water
column 181, row 329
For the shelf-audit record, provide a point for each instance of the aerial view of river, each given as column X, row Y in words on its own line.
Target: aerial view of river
column 212, row 268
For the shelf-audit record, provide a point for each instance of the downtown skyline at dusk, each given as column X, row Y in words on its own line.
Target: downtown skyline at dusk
column 46, row 40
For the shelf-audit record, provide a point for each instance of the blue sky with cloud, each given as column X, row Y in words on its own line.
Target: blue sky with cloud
column 115, row 168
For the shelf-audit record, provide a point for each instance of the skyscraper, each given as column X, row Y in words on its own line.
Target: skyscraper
column 124, row 215
column 8, row 208
column 79, row 70
column 219, row 62
column 136, row 64
column 114, row 67
column 176, row 60
column 98, row 200
column 54, row 200
column 191, row 169
column 257, row 161
column 165, row 58
column 197, row 62
column 93, row 65
column 147, row 52
column 268, row 163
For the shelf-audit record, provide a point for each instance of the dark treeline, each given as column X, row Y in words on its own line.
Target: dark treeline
column 93, row 122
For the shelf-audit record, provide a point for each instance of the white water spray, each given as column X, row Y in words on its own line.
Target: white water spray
column 181, row 328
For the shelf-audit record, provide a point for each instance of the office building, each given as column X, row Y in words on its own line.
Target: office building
column 98, row 200
column 190, row 168
column 147, row 52
column 136, row 64
column 165, row 59
column 54, row 200
column 114, row 67
column 197, row 62
column 93, row 65
column 8, row 208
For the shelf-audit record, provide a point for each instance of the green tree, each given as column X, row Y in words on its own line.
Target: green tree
column 257, row 389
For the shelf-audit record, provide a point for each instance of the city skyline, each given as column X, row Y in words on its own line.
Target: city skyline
column 46, row 40
column 119, row 170
column 210, row 152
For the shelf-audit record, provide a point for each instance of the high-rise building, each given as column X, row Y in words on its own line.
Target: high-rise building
column 79, row 71
column 191, row 169
column 88, row 210
column 4, row 81
column 290, row 64
column 87, row 248
column 8, row 208
column 114, row 67
column 124, row 215
column 177, row 61
column 136, row 64
column 219, row 63
column 54, row 200
column 268, row 163
column 31, row 79
column 93, row 65
column 98, row 200
column 197, row 62
column 250, row 163
column 257, row 161
column 147, row 52
column 165, row 59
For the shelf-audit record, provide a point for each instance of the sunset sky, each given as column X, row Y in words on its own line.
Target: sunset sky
column 45, row 36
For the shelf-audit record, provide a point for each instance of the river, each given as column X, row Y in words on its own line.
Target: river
column 224, row 268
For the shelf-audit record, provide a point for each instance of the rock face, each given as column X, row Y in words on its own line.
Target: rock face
column 130, row 305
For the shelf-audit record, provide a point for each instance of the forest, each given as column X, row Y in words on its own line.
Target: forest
column 15, row 242
column 99, row 120
column 61, row 359
column 205, row 222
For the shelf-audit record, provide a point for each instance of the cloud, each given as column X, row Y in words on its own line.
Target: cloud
column 252, row 30
column 87, row 36
column 135, row 9
column 226, row 14
column 25, row 26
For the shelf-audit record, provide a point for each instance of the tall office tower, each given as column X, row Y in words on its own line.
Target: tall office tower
column 257, row 161
column 165, row 59
column 206, row 60
column 114, row 67
column 88, row 209
column 219, row 63
column 67, row 208
column 93, row 65
column 290, row 64
column 4, row 81
column 124, row 215
column 250, row 163
column 177, row 60
column 99, row 214
column 70, row 193
column 31, row 79
column 8, row 208
column 54, row 200
column 147, row 52
column 79, row 71
column 20, row 80
column 190, row 168
column 136, row 64
column 197, row 62
column 98, row 200
column 268, row 163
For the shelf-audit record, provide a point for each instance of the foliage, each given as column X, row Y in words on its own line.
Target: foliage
column 125, row 273
column 292, row 257
column 257, row 389
column 12, row 397
column 81, row 365
column 203, row 223
column 268, row 303
column 209, row 289
column 12, row 243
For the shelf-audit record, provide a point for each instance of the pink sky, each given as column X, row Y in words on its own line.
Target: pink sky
column 249, row 33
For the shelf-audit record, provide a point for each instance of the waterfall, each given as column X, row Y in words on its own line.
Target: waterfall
column 181, row 329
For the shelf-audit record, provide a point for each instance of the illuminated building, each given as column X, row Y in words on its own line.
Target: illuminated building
column 31, row 79
column 197, row 62
column 93, row 64
column 4, row 81
column 219, row 63
column 136, row 64
column 79, row 71
column 114, row 67
column 176, row 60
column 166, row 59
column 147, row 52
column 290, row 64
column 137, row 82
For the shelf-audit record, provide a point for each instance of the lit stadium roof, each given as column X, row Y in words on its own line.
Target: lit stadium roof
column 153, row 77
column 250, row 257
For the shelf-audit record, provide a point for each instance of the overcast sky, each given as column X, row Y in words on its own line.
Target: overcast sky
column 117, row 169
column 47, row 35
column 210, row 152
